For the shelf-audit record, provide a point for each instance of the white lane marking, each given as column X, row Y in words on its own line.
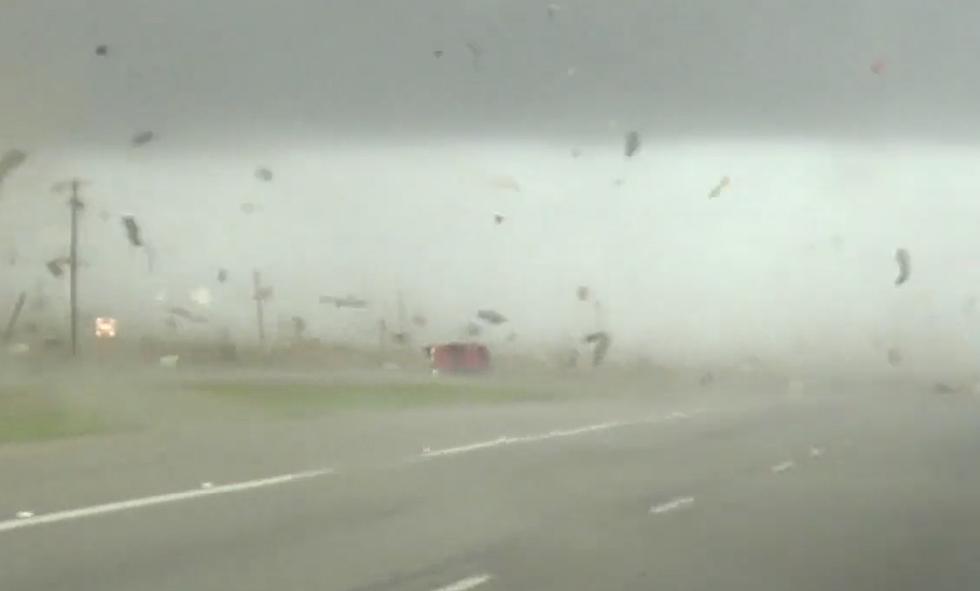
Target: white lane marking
column 784, row 466
column 672, row 505
column 207, row 485
column 24, row 514
column 428, row 452
column 467, row 583
column 159, row 499
column 816, row 452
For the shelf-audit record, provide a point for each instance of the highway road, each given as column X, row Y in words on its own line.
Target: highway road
column 857, row 486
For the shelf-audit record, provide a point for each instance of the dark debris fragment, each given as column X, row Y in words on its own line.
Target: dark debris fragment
column 632, row 143
column 491, row 317
column 132, row 230
column 904, row 261
column 142, row 138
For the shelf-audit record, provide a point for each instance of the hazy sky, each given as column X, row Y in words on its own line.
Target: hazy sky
column 232, row 68
column 390, row 163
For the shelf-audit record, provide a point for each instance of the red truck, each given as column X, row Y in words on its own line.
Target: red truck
column 459, row 357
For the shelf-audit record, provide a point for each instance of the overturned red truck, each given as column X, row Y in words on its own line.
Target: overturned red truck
column 458, row 357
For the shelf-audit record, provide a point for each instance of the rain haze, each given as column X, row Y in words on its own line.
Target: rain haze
column 432, row 295
column 396, row 132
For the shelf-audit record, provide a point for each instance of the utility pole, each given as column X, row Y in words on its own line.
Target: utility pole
column 260, row 296
column 75, row 205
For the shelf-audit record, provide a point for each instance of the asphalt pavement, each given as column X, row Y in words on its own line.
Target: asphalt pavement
column 844, row 487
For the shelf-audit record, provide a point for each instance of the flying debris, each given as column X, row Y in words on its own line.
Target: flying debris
column 498, row 218
column 721, row 186
column 142, row 138
column 438, row 53
column 583, row 293
column 472, row 329
column 894, row 357
column 553, row 10
column 600, row 342
column 904, row 265
column 491, row 316
column 344, row 302
column 222, row 275
column 57, row 266
column 707, row 379
column 132, row 230
column 633, row 143
column 10, row 161
column 476, row 53
column 102, row 50
column 263, row 174
column 187, row 315
column 576, row 152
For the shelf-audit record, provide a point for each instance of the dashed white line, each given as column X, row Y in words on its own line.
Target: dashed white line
column 672, row 505
column 783, row 466
column 158, row 500
column 467, row 583
column 554, row 434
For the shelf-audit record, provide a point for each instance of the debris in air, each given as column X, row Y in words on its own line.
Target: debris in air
column 57, row 266
column 944, row 388
column 633, row 143
column 187, row 315
column 582, row 293
column 904, row 265
column 222, row 275
column 721, row 186
column 600, row 342
column 491, row 317
column 894, row 357
column 473, row 329
column 344, row 302
column 10, row 161
column 553, row 10
column 707, row 379
column 263, row 174
column 102, row 50
column 142, row 138
column 576, row 152
column 132, row 230
column 498, row 218
column 438, row 53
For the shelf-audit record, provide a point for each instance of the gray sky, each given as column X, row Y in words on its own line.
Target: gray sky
column 390, row 163
column 231, row 68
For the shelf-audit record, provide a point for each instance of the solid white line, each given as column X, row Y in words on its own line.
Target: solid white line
column 784, row 466
column 672, row 505
column 467, row 583
column 558, row 433
column 158, row 500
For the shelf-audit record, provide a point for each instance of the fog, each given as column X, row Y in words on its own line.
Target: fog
column 845, row 128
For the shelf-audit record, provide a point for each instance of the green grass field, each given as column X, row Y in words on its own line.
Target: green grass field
column 30, row 415
column 305, row 399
